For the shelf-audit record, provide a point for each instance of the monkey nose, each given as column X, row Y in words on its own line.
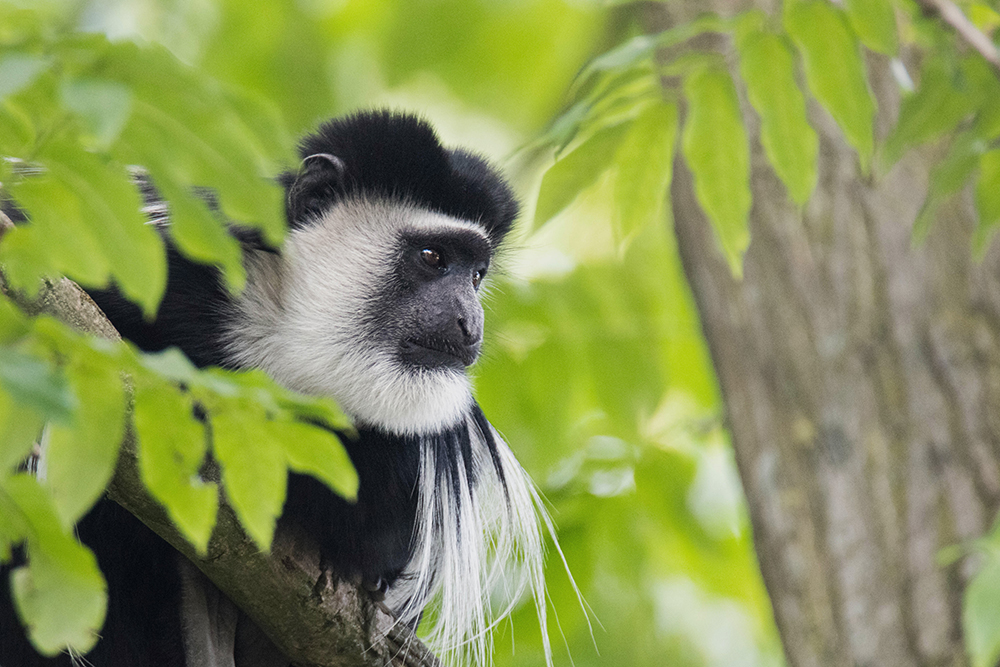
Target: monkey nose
column 471, row 332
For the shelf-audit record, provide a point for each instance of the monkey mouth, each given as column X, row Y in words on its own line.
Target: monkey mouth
column 438, row 353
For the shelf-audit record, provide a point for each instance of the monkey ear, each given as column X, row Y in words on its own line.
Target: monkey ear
column 324, row 161
column 318, row 183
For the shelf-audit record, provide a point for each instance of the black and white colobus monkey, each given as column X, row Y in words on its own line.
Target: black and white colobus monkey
column 373, row 300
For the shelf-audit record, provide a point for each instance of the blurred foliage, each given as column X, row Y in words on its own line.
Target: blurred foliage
column 595, row 369
column 50, row 373
column 950, row 97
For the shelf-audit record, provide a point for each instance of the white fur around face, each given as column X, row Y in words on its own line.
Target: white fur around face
column 302, row 319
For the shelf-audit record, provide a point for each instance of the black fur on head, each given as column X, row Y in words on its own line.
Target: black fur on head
column 383, row 154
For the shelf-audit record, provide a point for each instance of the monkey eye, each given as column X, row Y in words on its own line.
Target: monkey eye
column 432, row 258
column 477, row 278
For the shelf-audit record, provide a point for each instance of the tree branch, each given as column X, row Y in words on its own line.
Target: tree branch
column 314, row 619
column 973, row 36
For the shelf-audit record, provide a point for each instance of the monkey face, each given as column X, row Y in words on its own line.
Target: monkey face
column 378, row 307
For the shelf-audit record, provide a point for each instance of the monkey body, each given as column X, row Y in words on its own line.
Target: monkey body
column 372, row 300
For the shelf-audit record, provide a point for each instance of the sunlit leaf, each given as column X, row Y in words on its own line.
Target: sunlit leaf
column 277, row 400
column 834, row 69
column 13, row 324
column 81, row 456
column 789, row 142
column 109, row 205
column 316, row 452
column 17, row 131
column 60, row 594
column 981, row 615
column 20, row 427
column 644, row 164
column 577, row 170
column 35, row 384
column 18, row 70
column 874, row 21
column 103, row 106
column 174, row 106
column 714, row 142
column 13, row 524
column 254, row 480
column 60, row 239
column 642, row 47
column 171, row 448
column 200, row 234
column 171, row 364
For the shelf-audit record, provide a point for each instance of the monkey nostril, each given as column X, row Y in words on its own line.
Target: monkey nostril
column 470, row 336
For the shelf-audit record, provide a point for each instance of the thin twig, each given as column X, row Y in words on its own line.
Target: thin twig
column 5, row 224
column 953, row 16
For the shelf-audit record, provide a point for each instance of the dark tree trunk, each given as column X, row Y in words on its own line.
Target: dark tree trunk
column 861, row 378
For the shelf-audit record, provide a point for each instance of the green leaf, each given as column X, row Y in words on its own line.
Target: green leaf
column 951, row 173
column 17, row 131
column 266, row 128
column 275, row 399
column 19, row 70
column 317, row 452
column 254, row 481
column 13, row 324
column 714, row 143
column 987, row 200
column 947, row 177
column 200, row 234
column 576, row 170
column 616, row 96
column 13, row 523
column 789, row 142
column 172, row 447
column 981, row 615
column 59, row 241
column 979, row 79
column 103, row 106
column 60, row 595
column 35, row 384
column 20, row 427
column 874, row 21
column 174, row 105
column 82, row 456
column 171, row 364
column 109, row 206
column 936, row 107
column 622, row 57
column 834, row 69
column 644, row 169
column 641, row 48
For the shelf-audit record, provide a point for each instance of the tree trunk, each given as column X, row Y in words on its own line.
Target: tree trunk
column 861, row 378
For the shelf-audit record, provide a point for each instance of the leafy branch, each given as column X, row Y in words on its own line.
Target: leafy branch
column 312, row 617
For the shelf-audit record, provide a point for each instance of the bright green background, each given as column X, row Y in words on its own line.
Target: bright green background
column 595, row 369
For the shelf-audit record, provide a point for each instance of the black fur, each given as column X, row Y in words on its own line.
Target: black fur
column 142, row 628
column 375, row 154
column 385, row 154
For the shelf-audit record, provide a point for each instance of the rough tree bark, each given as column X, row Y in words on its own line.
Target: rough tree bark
column 861, row 378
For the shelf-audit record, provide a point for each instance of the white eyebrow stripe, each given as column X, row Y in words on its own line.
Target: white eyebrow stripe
column 431, row 221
